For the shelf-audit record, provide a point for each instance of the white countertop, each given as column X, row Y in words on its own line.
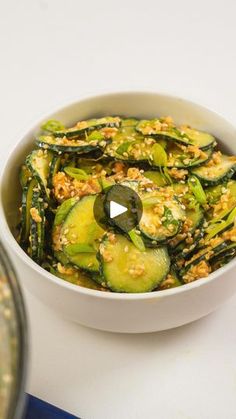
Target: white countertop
column 53, row 51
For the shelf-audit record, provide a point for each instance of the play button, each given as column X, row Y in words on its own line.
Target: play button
column 118, row 206
column 116, row 209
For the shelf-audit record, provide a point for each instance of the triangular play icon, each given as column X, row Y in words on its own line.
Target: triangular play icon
column 116, row 209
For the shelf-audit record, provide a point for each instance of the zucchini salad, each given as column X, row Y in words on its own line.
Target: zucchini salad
column 185, row 183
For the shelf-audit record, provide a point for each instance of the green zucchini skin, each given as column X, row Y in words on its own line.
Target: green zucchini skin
column 220, row 249
column 131, row 270
column 144, row 158
column 167, row 284
column 217, row 174
column 25, row 175
column 50, row 143
column 201, row 139
column 27, row 195
column 92, row 124
column 37, row 229
column 38, row 163
column 183, row 135
column 77, row 277
column 55, row 165
column 184, row 251
column 151, row 128
column 224, row 256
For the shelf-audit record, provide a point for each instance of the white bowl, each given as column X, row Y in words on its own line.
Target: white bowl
column 130, row 313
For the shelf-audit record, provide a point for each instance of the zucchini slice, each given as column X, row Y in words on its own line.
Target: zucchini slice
column 55, row 165
column 156, row 177
column 199, row 138
column 27, row 195
column 171, row 281
column 25, row 175
column 63, row 145
column 223, row 257
column 81, row 234
column 209, row 255
column 38, row 163
column 60, row 216
column 154, row 127
column 75, row 276
column 129, row 122
column 162, row 216
column 184, row 135
column 127, row 269
column 217, row 173
column 89, row 125
column 122, row 143
column 37, row 228
column 143, row 150
column 185, row 159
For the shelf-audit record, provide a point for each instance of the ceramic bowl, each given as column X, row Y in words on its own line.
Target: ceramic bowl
column 116, row 312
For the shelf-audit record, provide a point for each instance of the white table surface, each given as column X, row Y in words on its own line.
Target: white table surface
column 53, row 51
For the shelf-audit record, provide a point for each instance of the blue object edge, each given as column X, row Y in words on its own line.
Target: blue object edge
column 38, row 409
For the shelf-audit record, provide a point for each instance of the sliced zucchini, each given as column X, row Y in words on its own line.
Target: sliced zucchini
column 129, row 122
column 221, row 198
column 213, row 193
column 63, row 211
column 25, row 175
column 38, row 163
column 55, row 165
column 196, row 215
column 204, row 254
column 52, row 126
column 63, row 145
column 154, row 127
column 147, row 150
column 184, row 135
column 27, row 195
column 223, row 257
column 76, row 277
column 172, row 281
column 184, row 250
column 195, row 219
column 94, row 166
column 60, row 216
column 122, row 143
column 217, row 173
column 199, row 138
column 37, row 228
column 80, row 228
column 127, row 269
column 156, row 177
column 162, row 216
column 89, row 125
column 185, row 159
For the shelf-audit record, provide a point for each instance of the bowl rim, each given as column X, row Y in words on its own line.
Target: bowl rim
column 13, row 244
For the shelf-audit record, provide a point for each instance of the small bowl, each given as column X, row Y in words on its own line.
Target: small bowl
column 116, row 312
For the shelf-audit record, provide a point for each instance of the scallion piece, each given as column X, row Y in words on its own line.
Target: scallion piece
column 159, row 156
column 197, row 189
column 52, row 126
column 76, row 173
column 73, row 249
column 137, row 240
